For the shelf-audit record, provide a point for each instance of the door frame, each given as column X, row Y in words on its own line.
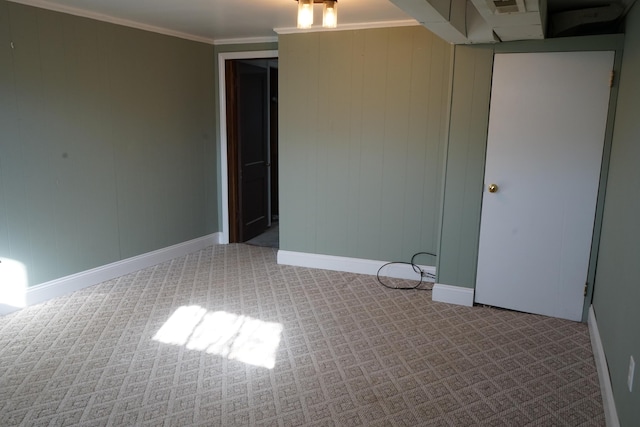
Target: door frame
column 495, row 239
column 614, row 42
column 222, row 110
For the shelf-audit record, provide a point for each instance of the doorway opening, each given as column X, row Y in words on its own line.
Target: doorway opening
column 251, row 86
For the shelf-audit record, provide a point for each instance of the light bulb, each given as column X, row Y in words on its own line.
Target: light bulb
column 330, row 14
column 305, row 13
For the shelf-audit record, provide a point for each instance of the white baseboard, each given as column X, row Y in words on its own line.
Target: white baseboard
column 58, row 287
column 351, row 265
column 610, row 412
column 453, row 294
column 217, row 238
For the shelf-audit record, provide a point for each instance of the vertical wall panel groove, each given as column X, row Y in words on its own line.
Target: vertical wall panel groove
column 103, row 153
column 465, row 165
column 616, row 291
column 360, row 113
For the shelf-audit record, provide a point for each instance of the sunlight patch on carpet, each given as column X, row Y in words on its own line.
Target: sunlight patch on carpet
column 234, row 336
column 13, row 283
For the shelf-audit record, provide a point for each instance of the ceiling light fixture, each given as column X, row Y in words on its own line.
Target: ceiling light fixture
column 329, row 13
column 305, row 13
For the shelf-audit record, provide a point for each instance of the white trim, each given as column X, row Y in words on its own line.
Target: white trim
column 255, row 54
column 610, row 412
column 43, row 4
column 222, row 90
column 453, row 294
column 58, row 287
column 247, row 40
column 351, row 265
column 344, row 27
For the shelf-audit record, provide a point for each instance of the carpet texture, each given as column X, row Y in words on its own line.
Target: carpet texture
column 226, row 337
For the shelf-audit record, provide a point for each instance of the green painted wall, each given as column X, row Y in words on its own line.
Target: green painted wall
column 465, row 165
column 107, row 141
column 617, row 289
column 363, row 123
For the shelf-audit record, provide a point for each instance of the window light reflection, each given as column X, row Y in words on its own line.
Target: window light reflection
column 234, row 336
column 13, row 285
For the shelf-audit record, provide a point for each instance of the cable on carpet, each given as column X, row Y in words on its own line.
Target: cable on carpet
column 416, row 268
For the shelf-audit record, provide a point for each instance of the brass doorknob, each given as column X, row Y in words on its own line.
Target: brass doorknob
column 493, row 188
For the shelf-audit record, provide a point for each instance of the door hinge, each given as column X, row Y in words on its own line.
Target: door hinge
column 586, row 286
column 612, row 78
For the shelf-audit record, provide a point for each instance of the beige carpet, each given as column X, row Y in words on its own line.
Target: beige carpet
column 226, row 337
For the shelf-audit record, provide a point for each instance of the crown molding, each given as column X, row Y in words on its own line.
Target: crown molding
column 345, row 27
column 43, row 4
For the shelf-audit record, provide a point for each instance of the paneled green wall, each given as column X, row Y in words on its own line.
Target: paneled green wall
column 363, row 124
column 617, row 289
column 465, row 165
column 107, row 141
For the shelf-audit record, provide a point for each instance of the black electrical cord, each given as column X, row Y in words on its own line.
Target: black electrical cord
column 415, row 267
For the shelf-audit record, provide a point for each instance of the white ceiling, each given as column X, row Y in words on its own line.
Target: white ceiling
column 229, row 21
column 223, row 20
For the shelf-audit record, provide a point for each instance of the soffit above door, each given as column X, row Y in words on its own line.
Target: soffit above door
column 490, row 21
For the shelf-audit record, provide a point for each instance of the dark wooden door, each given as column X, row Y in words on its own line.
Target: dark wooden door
column 253, row 144
column 273, row 157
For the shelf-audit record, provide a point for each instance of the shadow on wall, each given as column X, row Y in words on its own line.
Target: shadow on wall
column 13, row 285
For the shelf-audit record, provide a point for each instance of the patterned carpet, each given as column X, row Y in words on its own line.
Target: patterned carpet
column 226, row 337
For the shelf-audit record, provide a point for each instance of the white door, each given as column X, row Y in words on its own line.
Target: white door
column 546, row 133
